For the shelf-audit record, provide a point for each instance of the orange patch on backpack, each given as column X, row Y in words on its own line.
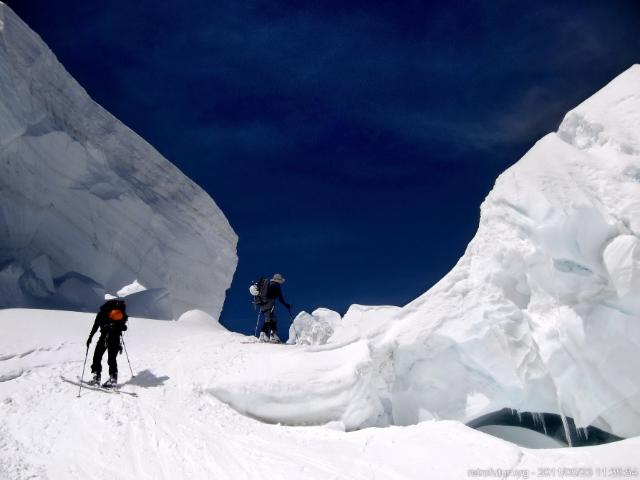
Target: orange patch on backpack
column 116, row 315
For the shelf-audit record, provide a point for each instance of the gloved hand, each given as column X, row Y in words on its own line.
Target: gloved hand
column 120, row 349
column 89, row 341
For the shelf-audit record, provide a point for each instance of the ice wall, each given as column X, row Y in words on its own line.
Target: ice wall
column 86, row 205
column 541, row 314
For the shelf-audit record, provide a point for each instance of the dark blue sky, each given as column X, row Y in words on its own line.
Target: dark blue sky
column 350, row 144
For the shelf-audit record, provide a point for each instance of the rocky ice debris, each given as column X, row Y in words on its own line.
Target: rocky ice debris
column 87, row 206
column 313, row 329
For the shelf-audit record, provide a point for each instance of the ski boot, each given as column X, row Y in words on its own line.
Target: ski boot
column 95, row 380
column 112, row 382
column 274, row 338
column 263, row 338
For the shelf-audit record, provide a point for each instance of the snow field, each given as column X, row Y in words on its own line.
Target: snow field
column 177, row 428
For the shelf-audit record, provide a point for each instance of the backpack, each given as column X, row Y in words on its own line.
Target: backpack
column 114, row 305
column 259, row 291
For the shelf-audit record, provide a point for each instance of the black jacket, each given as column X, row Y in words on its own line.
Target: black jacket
column 274, row 292
column 105, row 324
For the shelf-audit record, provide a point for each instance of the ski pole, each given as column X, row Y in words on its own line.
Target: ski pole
column 127, row 354
column 257, row 323
column 83, row 367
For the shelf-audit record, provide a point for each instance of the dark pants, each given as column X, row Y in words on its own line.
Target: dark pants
column 111, row 344
column 268, row 311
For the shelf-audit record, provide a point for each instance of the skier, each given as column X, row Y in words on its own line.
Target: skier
column 269, row 332
column 112, row 321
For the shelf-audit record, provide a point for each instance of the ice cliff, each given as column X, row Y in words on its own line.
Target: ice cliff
column 541, row 314
column 87, row 206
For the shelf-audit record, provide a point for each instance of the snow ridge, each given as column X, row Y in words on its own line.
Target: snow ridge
column 541, row 314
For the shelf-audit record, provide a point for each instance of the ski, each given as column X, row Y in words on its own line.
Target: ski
column 98, row 388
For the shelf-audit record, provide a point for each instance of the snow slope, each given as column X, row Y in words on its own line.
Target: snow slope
column 86, row 205
column 177, row 428
column 541, row 314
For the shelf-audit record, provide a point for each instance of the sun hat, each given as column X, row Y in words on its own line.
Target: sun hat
column 278, row 278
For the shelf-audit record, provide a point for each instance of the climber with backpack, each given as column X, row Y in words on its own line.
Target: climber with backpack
column 265, row 293
column 112, row 321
